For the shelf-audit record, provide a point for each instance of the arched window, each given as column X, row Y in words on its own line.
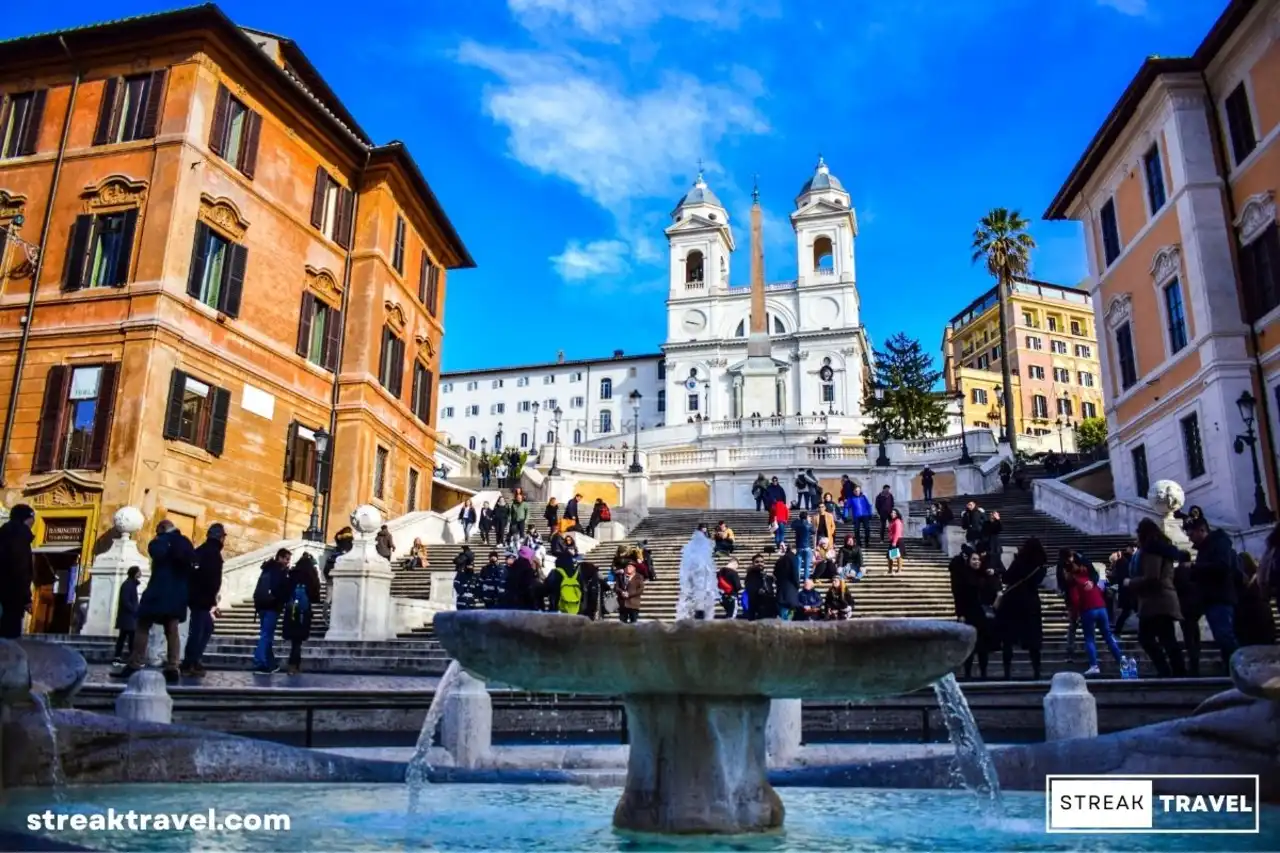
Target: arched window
column 741, row 331
column 823, row 258
column 778, row 328
column 606, row 389
column 577, row 436
column 551, row 436
column 524, row 439
column 471, row 443
column 770, row 321
column 662, row 401
column 606, row 419
column 693, row 268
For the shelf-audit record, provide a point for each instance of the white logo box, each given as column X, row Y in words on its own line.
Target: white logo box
column 1132, row 804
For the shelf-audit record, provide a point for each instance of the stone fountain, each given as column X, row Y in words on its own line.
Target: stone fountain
column 697, row 693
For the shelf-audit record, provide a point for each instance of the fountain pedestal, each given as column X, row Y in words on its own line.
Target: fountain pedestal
column 697, row 693
column 698, row 765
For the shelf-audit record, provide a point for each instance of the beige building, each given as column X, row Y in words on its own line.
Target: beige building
column 1053, row 359
column 1177, row 195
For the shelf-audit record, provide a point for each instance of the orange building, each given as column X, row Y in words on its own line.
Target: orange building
column 205, row 262
column 1177, row 194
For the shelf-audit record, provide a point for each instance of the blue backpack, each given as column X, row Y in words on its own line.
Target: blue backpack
column 299, row 606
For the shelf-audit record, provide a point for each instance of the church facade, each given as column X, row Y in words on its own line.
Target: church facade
column 816, row 340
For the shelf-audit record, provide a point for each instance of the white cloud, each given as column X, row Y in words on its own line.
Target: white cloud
column 598, row 258
column 567, row 118
column 1135, row 8
column 607, row 20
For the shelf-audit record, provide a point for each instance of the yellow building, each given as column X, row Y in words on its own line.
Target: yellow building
column 1053, row 358
column 1177, row 195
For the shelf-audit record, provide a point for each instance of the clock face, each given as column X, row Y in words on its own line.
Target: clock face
column 694, row 321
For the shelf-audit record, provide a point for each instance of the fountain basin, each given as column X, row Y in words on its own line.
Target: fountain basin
column 697, row 694
column 556, row 653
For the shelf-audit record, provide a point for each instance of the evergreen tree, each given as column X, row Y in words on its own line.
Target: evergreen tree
column 911, row 407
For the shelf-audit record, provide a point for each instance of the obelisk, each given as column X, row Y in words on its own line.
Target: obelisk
column 760, row 373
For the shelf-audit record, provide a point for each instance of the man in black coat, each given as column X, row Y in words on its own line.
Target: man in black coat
column 786, row 578
column 206, row 583
column 127, row 613
column 15, row 570
column 164, row 601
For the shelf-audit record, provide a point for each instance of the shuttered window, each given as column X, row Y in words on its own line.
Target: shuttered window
column 332, row 208
column 75, row 419
column 101, row 250
column 300, row 455
column 197, row 413
column 397, row 251
column 319, row 332
column 130, row 108
column 422, row 381
column 412, row 497
column 21, row 115
column 217, row 271
column 380, row 472
column 234, row 133
column 391, row 363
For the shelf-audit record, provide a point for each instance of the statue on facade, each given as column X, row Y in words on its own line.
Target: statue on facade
column 698, row 593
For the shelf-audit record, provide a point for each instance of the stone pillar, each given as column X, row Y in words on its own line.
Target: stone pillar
column 1070, row 710
column 466, row 726
column 952, row 539
column 110, row 570
column 635, row 493
column 783, row 732
column 442, row 587
column 145, row 699
column 361, row 608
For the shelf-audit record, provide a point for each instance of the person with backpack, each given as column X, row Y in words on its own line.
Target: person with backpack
column 563, row 588
column 493, row 581
column 269, row 598
column 206, row 583
column 729, row 585
column 758, row 489
column 302, row 585
column 468, row 587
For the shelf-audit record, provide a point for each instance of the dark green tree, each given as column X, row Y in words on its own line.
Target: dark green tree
column 910, row 407
column 1091, row 434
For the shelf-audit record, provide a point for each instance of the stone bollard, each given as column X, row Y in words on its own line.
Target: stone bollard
column 145, row 699
column 1070, row 710
column 466, row 725
column 783, row 732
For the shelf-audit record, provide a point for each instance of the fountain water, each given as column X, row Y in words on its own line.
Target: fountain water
column 972, row 759
column 57, row 778
column 698, row 592
column 419, row 770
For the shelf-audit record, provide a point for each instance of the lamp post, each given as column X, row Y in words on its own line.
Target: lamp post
column 313, row 534
column 1062, row 423
column 535, row 430
column 635, row 449
column 555, row 452
column 706, row 399
column 965, row 458
column 883, row 460
column 1261, row 514
column 999, row 392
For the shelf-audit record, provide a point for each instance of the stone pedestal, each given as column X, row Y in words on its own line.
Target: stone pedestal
column 783, row 733
column 466, row 725
column 697, row 764
column 145, row 699
column 635, row 494
column 110, row 570
column 952, row 539
column 361, row 608
column 1070, row 710
column 442, row 587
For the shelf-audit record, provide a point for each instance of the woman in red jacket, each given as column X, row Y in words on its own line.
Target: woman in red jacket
column 1086, row 601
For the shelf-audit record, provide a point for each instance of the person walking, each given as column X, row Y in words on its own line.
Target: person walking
column 860, row 511
column 493, row 582
column 269, row 598
column 1019, row 616
column 501, row 520
column 1217, row 575
column 1158, row 609
column 758, row 490
column 991, row 530
column 846, row 497
column 164, row 601
column 127, row 613
column 468, row 587
column 15, row 570
column 551, row 515
column 896, row 531
column 486, row 472
column 926, row 483
column 206, row 583
column 519, row 516
column 467, row 517
column 803, row 530
column 813, row 489
column 976, row 586
column 303, row 590
column 884, row 505
column 500, row 470
column 779, row 520
column 774, row 494
column 571, row 513
column 630, row 594
column 786, row 584
column 485, row 522
column 385, row 544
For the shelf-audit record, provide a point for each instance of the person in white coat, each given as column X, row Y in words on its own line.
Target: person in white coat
column 698, row 592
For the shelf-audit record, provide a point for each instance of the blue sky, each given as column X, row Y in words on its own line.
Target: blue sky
column 559, row 133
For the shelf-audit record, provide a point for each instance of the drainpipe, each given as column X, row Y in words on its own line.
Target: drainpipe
column 342, row 339
column 27, row 322
column 1220, row 166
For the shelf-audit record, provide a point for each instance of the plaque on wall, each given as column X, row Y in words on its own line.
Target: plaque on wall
column 64, row 531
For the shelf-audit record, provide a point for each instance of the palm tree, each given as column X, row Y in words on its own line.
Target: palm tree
column 1002, row 241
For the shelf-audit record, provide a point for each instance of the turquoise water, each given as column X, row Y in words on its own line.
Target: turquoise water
column 566, row 818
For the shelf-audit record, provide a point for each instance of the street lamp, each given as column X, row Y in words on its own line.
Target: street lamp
column 555, row 453
column 635, row 449
column 1063, row 423
column 1261, row 514
column 321, row 439
column 535, row 429
column 965, row 458
column 706, row 400
column 883, row 460
column 1000, row 412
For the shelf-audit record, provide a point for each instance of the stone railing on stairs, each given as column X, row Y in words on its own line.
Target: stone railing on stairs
column 435, row 528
